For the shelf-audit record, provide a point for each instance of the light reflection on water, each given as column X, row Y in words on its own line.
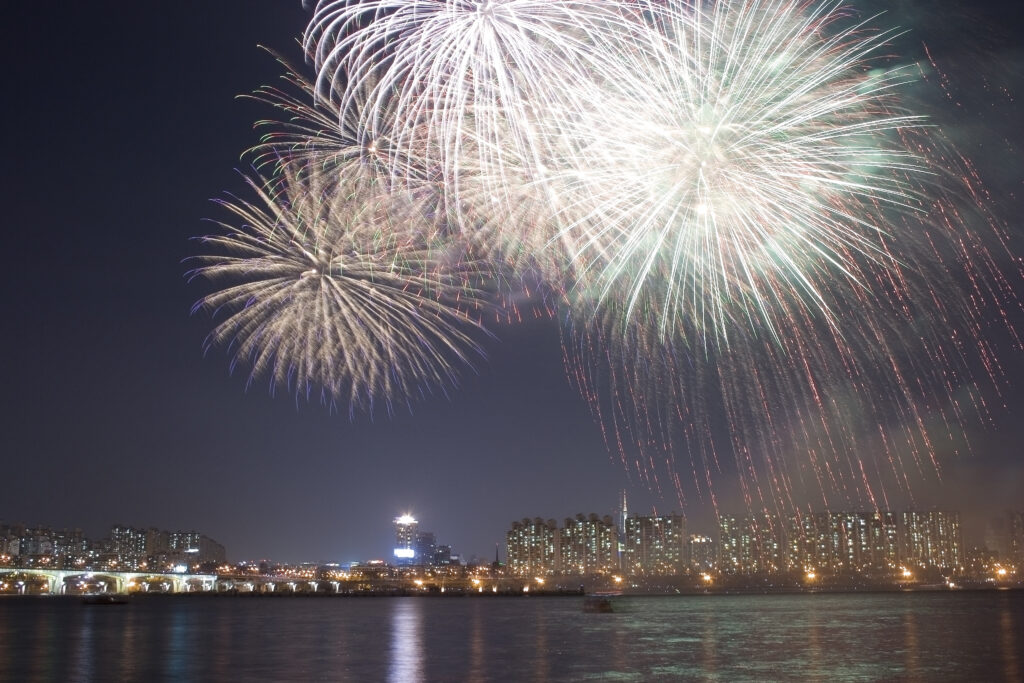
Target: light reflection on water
column 407, row 653
column 1013, row 647
column 884, row 636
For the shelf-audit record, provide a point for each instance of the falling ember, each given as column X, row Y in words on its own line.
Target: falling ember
column 772, row 265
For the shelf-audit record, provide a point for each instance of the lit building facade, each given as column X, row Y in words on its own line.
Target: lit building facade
column 444, row 557
column 1015, row 541
column 931, row 540
column 531, row 547
column 1005, row 536
column 843, row 541
column 424, row 546
column 655, row 545
column 750, row 544
column 588, row 545
column 701, row 554
column 129, row 545
column 406, row 527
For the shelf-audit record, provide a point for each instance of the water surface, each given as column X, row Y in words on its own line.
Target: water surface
column 963, row 636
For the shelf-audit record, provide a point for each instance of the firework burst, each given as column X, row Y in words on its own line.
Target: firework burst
column 757, row 161
column 755, row 234
column 340, row 287
column 479, row 90
column 779, row 260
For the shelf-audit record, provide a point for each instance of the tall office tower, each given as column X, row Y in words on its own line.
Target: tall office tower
column 443, row 556
column 531, row 547
column 424, row 546
column 751, row 544
column 655, row 545
column 931, row 540
column 405, row 537
column 589, row 545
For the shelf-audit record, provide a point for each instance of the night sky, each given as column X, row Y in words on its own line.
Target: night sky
column 122, row 123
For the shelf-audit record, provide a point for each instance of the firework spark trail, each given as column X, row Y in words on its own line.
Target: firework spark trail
column 747, row 222
column 769, row 210
column 335, row 286
column 753, row 164
column 308, row 136
column 479, row 88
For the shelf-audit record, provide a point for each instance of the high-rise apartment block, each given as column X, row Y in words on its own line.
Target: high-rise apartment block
column 655, row 545
column 1015, row 543
column 701, row 553
column 589, row 545
column 931, row 540
column 584, row 545
column 532, row 547
column 842, row 541
column 1005, row 536
column 750, row 545
column 872, row 544
column 128, row 545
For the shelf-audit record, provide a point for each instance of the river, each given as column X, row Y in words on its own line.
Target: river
column 947, row 636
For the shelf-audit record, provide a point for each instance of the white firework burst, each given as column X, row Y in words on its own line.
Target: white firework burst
column 759, row 159
column 341, row 287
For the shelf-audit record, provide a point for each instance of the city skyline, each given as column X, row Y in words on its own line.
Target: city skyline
column 128, row 124
column 635, row 544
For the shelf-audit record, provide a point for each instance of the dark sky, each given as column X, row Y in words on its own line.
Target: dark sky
column 121, row 123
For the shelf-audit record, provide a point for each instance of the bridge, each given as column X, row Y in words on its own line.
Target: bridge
column 71, row 581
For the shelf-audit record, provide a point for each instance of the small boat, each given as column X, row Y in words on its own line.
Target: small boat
column 105, row 599
column 599, row 602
